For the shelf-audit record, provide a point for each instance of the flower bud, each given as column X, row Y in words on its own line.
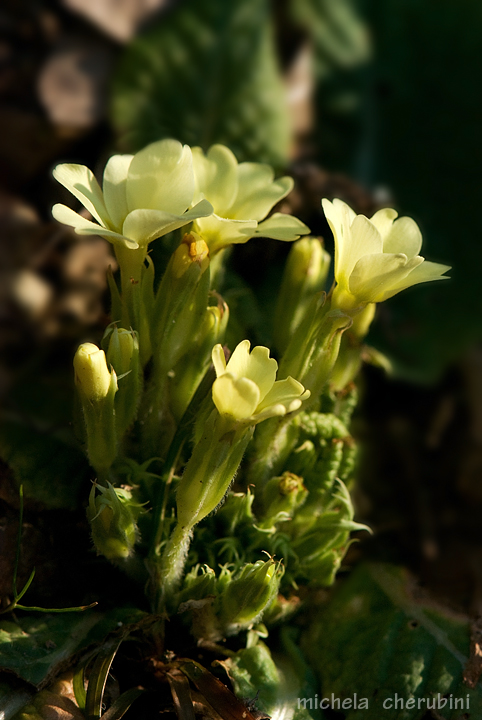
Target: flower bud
column 113, row 518
column 280, row 499
column 123, row 355
column 322, row 541
column 97, row 388
column 247, row 595
column 198, row 584
column 181, row 303
column 304, row 275
column 192, row 367
column 193, row 249
column 92, row 376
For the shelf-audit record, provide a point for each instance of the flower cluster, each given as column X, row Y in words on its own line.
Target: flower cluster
column 159, row 378
column 166, row 186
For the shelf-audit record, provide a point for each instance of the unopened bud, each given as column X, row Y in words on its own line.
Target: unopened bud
column 92, row 375
column 193, row 249
column 247, row 596
column 281, row 497
column 97, row 387
column 113, row 518
column 123, row 355
column 304, row 275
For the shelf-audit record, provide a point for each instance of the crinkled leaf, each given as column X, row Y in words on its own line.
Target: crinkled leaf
column 205, row 74
column 374, row 639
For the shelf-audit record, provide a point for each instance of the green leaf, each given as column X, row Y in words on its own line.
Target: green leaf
column 34, row 648
column 51, row 470
column 276, row 686
column 203, row 74
column 376, row 640
column 98, row 679
column 122, row 704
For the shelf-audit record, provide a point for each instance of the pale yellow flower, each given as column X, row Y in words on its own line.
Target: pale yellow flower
column 246, row 389
column 377, row 258
column 92, row 375
column 143, row 196
column 242, row 195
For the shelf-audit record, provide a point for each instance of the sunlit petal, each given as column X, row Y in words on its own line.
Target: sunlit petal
column 235, row 397
column 282, row 227
column 114, row 188
column 80, row 181
column 161, row 178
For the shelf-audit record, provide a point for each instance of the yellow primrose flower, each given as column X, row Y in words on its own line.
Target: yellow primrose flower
column 377, row 258
column 143, row 196
column 241, row 195
column 246, row 389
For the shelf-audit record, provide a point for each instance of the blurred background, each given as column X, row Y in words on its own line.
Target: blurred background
column 377, row 102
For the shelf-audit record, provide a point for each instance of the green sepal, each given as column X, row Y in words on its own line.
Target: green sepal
column 101, row 434
column 210, row 470
column 304, row 275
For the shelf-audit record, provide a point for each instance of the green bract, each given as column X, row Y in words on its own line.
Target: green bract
column 241, row 195
column 377, row 258
column 143, row 196
column 245, row 389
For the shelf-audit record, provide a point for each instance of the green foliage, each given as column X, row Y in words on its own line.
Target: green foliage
column 276, row 687
column 205, row 73
column 36, row 648
column 375, row 639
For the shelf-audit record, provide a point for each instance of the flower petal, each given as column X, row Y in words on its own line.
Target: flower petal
column 425, row 272
column 216, row 176
column 376, row 274
column 364, row 240
column 383, row 221
column 66, row 215
column 285, row 392
column 403, row 237
column 282, row 227
column 220, row 232
column 257, row 191
column 340, row 218
column 80, row 181
column 161, row 178
column 236, row 397
column 114, row 187
column 257, row 366
column 143, row 226
column 219, row 360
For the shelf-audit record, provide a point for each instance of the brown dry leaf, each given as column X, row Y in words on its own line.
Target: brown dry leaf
column 473, row 668
column 47, row 705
